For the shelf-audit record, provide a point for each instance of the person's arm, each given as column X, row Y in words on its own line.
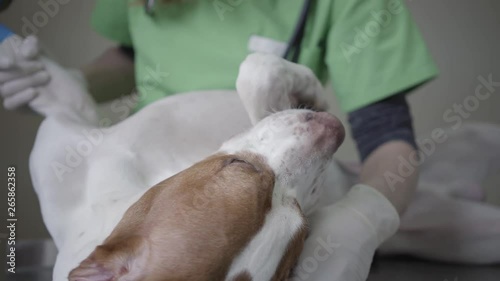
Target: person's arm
column 111, row 75
column 355, row 226
column 384, row 135
column 366, row 69
column 382, row 165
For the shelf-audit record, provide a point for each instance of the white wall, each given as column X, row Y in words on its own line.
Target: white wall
column 462, row 36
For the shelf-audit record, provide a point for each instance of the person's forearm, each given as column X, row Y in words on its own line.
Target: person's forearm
column 380, row 171
column 110, row 76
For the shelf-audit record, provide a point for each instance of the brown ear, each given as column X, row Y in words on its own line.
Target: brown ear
column 117, row 259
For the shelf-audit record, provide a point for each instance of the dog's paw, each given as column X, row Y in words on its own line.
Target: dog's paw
column 268, row 84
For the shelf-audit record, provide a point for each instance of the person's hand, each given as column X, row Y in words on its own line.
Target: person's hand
column 21, row 72
column 29, row 78
column 345, row 235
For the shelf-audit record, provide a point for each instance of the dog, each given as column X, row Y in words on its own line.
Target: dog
column 136, row 200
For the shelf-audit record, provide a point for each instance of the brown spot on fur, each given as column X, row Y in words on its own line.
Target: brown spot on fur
column 168, row 235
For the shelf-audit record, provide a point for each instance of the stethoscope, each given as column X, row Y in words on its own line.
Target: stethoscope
column 293, row 46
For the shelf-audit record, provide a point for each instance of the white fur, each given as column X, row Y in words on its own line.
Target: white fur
column 264, row 253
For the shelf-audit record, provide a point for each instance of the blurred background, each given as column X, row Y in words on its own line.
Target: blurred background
column 463, row 37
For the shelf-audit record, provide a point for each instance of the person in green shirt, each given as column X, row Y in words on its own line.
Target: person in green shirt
column 371, row 51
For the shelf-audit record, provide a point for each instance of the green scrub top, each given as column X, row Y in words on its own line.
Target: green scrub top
column 370, row 49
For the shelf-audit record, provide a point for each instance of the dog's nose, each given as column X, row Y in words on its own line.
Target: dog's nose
column 328, row 127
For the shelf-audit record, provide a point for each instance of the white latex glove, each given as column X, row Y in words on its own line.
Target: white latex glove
column 20, row 71
column 345, row 235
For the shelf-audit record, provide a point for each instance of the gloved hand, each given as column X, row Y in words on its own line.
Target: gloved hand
column 20, row 71
column 345, row 235
column 29, row 78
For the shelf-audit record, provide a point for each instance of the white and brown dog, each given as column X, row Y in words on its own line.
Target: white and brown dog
column 136, row 200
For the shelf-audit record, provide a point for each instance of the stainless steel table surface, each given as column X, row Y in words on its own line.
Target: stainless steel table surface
column 36, row 258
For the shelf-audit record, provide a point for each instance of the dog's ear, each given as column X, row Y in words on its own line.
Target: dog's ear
column 122, row 259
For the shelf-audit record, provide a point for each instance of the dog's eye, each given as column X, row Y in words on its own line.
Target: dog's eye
column 236, row 160
column 241, row 162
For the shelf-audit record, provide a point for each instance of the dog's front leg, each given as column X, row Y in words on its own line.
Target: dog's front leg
column 66, row 96
column 268, row 84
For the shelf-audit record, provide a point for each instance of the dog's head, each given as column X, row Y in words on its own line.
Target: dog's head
column 297, row 145
column 194, row 224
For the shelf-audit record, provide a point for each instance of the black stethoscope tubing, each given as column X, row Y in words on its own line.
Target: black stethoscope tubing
column 298, row 34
